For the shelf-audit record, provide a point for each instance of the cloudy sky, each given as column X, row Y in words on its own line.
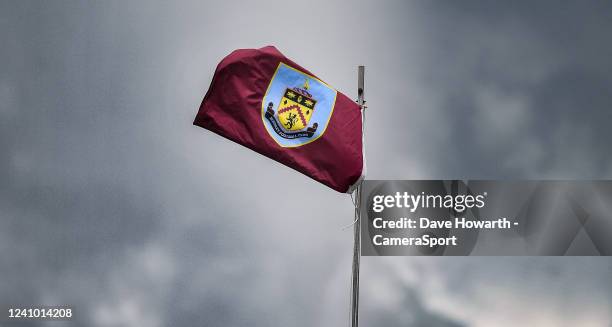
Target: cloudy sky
column 111, row 201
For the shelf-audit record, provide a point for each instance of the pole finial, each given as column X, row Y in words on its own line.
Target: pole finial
column 360, row 78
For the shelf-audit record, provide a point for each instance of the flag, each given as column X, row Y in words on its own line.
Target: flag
column 266, row 102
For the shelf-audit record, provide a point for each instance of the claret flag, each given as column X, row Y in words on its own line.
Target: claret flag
column 266, row 102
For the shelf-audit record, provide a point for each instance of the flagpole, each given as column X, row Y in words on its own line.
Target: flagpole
column 357, row 225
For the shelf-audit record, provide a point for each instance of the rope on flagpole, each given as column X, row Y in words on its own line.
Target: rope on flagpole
column 355, row 205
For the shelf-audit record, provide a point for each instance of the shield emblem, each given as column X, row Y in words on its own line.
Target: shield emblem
column 295, row 109
column 288, row 107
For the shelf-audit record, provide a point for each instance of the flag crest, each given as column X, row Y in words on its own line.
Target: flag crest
column 296, row 107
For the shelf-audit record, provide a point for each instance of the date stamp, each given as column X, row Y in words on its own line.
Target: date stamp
column 37, row 312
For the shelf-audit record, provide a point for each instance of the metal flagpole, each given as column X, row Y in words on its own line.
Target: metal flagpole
column 357, row 225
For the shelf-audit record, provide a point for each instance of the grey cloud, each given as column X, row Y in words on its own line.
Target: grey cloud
column 110, row 200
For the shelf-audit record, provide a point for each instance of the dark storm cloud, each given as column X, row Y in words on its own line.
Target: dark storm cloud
column 113, row 202
column 410, row 312
column 523, row 86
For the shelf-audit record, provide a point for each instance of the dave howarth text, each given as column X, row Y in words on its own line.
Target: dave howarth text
column 458, row 223
column 430, row 240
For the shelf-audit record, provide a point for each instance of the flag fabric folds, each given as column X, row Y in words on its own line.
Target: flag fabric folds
column 266, row 102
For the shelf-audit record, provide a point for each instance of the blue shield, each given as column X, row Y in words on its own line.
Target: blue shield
column 294, row 96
